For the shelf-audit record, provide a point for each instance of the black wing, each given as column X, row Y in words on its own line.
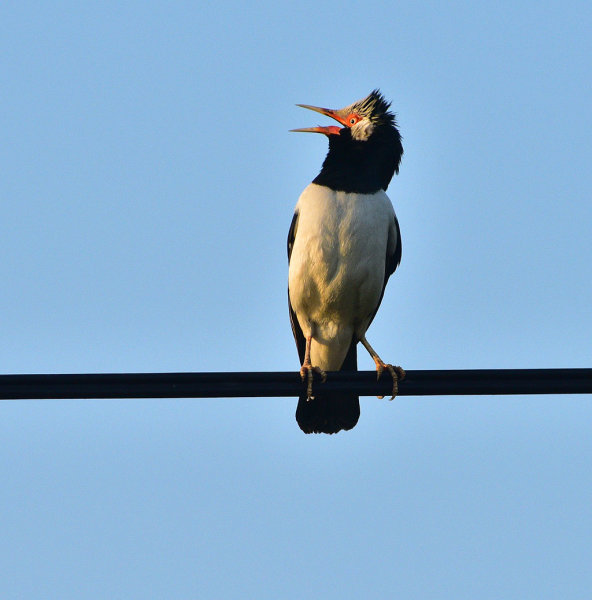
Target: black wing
column 392, row 262
column 296, row 330
column 292, row 234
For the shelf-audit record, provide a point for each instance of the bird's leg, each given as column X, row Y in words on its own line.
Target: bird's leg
column 396, row 372
column 307, row 370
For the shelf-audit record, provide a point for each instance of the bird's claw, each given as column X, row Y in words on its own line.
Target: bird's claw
column 397, row 373
column 307, row 374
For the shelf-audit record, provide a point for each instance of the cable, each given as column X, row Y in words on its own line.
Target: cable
column 270, row 384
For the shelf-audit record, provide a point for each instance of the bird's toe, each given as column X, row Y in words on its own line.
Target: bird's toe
column 397, row 373
column 307, row 374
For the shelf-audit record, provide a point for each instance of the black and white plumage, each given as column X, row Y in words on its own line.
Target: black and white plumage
column 343, row 245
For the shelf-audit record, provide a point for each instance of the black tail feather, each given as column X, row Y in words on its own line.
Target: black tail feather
column 326, row 414
column 329, row 413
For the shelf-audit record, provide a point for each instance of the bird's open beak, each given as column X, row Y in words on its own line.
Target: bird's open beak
column 329, row 130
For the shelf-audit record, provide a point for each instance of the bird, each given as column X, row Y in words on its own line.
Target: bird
column 344, row 243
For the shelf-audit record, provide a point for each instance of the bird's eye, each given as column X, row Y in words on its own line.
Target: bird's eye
column 352, row 121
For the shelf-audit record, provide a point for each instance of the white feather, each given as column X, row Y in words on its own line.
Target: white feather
column 337, row 267
column 362, row 130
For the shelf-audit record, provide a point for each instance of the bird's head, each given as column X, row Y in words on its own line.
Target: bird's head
column 366, row 150
column 360, row 120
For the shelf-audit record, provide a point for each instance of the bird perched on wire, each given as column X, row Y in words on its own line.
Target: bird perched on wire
column 343, row 245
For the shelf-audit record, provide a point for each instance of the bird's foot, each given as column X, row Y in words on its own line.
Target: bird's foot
column 307, row 374
column 397, row 373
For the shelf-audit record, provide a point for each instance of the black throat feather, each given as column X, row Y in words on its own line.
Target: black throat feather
column 362, row 167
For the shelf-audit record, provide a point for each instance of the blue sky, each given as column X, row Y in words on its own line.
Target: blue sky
column 148, row 185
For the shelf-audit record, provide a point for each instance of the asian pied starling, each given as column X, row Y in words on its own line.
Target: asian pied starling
column 343, row 245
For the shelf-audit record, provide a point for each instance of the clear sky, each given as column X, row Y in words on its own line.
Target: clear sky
column 148, row 183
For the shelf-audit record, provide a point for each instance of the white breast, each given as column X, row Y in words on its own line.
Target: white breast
column 337, row 267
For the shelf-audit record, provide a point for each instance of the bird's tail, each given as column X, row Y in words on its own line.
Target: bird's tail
column 330, row 413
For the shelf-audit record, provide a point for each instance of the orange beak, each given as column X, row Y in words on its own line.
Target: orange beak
column 329, row 130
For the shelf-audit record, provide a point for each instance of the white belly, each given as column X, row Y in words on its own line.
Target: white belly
column 337, row 267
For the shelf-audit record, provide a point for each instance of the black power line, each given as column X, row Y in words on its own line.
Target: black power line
column 267, row 384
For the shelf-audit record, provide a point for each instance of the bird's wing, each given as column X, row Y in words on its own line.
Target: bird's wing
column 393, row 260
column 296, row 330
column 292, row 234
